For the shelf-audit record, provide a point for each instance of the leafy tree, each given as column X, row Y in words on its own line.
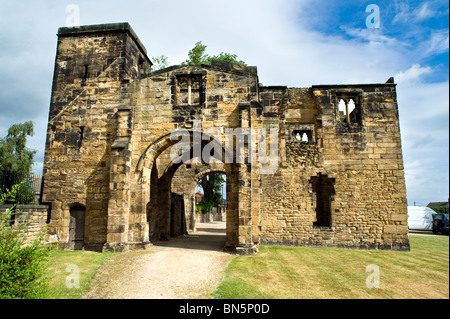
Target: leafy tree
column 212, row 189
column 15, row 159
column 197, row 56
column 160, row 62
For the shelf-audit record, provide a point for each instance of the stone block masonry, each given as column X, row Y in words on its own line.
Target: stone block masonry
column 336, row 175
column 35, row 218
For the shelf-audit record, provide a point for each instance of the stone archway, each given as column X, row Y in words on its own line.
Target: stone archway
column 140, row 197
column 184, row 186
column 160, row 211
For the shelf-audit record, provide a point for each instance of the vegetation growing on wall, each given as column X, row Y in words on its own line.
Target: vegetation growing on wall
column 197, row 56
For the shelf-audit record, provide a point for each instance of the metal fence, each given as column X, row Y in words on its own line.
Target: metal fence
column 28, row 192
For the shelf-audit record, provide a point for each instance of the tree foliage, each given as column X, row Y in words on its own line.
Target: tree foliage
column 203, row 207
column 197, row 56
column 212, row 189
column 160, row 62
column 16, row 160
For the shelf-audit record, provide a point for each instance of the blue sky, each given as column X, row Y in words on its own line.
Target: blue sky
column 295, row 43
column 420, row 27
column 415, row 35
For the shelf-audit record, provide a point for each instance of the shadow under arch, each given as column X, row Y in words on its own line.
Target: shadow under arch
column 160, row 197
column 154, row 149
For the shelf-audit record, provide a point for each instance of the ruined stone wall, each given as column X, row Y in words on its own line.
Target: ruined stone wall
column 337, row 180
column 216, row 214
column 363, row 164
column 160, row 107
column 33, row 216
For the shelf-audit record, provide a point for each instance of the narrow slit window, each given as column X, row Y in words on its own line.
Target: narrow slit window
column 86, row 71
column 141, row 69
column 323, row 187
column 81, row 136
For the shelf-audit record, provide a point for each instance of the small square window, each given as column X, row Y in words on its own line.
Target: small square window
column 189, row 90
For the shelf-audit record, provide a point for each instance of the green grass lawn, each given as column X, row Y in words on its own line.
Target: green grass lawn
column 62, row 266
column 297, row 272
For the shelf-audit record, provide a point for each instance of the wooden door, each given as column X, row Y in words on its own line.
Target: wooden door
column 76, row 227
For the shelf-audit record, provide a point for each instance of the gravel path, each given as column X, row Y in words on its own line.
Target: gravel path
column 189, row 266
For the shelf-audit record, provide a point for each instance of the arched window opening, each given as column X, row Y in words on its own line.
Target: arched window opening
column 349, row 109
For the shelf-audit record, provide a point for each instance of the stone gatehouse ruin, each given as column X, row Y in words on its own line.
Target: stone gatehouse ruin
column 316, row 166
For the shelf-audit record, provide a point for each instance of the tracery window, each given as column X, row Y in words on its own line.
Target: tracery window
column 349, row 108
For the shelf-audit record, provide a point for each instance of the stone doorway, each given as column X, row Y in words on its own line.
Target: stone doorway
column 76, row 227
column 171, row 206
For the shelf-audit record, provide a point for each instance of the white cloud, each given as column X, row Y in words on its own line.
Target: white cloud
column 413, row 75
column 424, row 114
column 406, row 14
column 437, row 44
column 403, row 13
column 423, row 12
column 276, row 36
column 373, row 36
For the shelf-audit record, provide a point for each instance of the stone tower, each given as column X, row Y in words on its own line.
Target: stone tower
column 93, row 68
column 318, row 166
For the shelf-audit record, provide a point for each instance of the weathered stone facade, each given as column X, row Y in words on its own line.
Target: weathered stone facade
column 335, row 176
column 33, row 219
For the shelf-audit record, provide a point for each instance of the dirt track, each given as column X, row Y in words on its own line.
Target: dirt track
column 186, row 267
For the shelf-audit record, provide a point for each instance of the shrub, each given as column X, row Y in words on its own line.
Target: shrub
column 21, row 266
column 204, row 207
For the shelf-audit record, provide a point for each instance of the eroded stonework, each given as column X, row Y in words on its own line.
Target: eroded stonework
column 113, row 185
